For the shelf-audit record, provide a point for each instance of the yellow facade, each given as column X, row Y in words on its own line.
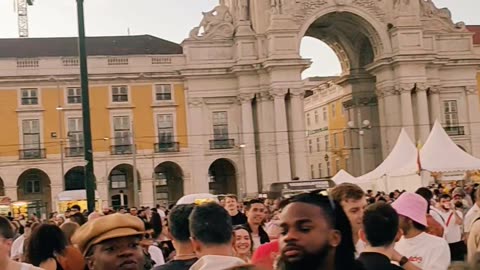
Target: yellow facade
column 141, row 105
column 337, row 124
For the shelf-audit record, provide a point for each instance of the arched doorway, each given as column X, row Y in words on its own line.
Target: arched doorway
column 33, row 187
column 121, row 186
column 223, row 177
column 75, row 179
column 168, row 183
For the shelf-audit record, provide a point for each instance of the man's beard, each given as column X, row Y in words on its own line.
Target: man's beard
column 308, row 261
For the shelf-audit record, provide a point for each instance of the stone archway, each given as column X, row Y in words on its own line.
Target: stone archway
column 75, row 178
column 120, row 181
column 33, row 186
column 223, row 177
column 389, row 61
column 168, row 183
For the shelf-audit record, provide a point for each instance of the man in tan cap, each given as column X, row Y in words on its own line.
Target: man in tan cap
column 111, row 242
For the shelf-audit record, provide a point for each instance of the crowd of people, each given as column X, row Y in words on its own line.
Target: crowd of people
column 434, row 228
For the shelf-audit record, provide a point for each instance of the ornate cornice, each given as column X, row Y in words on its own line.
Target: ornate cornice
column 263, row 96
column 195, row 102
column 471, row 90
column 421, row 87
column 404, row 87
column 278, row 92
column 246, row 97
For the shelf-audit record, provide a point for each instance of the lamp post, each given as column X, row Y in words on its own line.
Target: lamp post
column 87, row 132
column 61, row 138
column 362, row 125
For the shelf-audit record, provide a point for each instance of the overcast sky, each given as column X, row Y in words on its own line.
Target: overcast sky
column 168, row 19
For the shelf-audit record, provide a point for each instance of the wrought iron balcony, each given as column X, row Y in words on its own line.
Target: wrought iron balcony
column 167, row 147
column 121, row 149
column 74, row 151
column 27, row 154
column 455, row 130
column 222, row 144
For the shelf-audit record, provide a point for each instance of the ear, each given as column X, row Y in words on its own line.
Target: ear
column 195, row 245
column 362, row 235
column 334, row 238
column 399, row 235
column 90, row 262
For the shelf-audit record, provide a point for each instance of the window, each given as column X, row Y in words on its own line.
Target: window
column 310, row 148
column 328, row 168
column 120, row 93
column 347, row 165
column 74, row 95
column 165, row 128
column 327, row 144
column 75, row 132
column 325, row 114
column 337, row 165
column 220, row 125
column 450, row 113
column 334, row 109
column 318, row 144
column 345, row 143
column 118, row 179
column 312, row 171
column 31, row 134
column 320, row 170
column 121, row 129
column 29, row 96
column 316, row 117
column 308, row 119
column 335, row 140
column 32, row 184
column 163, row 92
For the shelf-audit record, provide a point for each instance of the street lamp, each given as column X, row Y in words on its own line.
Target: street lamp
column 87, row 132
column 60, row 133
column 365, row 124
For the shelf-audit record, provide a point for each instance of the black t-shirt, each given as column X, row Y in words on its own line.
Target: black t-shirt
column 376, row 261
column 177, row 265
column 239, row 219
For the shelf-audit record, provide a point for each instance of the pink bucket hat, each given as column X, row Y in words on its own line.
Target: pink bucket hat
column 412, row 206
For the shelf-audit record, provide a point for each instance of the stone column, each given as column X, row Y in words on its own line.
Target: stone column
column 382, row 122
column 435, row 108
column 198, row 141
column 267, row 151
column 147, row 193
column 407, row 110
column 392, row 117
column 249, row 155
column 422, row 113
column 474, row 118
column 300, row 166
column 55, row 190
column 281, row 135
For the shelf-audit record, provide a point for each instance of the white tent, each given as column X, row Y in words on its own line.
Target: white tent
column 441, row 154
column 399, row 170
column 344, row 177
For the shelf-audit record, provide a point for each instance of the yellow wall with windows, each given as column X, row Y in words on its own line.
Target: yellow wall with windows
column 337, row 123
column 9, row 137
column 141, row 97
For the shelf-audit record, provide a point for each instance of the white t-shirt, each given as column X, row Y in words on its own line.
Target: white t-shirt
column 425, row 251
column 156, row 255
column 471, row 216
column 256, row 241
column 453, row 232
column 16, row 250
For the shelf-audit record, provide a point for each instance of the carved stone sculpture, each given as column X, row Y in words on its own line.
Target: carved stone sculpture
column 243, row 10
column 277, row 6
column 216, row 24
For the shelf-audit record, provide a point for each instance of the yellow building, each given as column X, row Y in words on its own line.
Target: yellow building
column 137, row 101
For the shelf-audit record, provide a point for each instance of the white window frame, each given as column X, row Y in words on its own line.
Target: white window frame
column 309, row 123
column 39, row 134
column 174, row 135
column 154, row 93
column 320, row 171
column 39, row 97
column 318, row 144
column 312, row 171
column 316, row 116
column 129, row 96
column 227, row 124
column 337, row 165
column 446, row 115
column 67, row 120
column 334, row 110
column 29, row 116
column 325, row 113
column 327, row 142
column 116, row 113
column 310, row 147
column 67, row 96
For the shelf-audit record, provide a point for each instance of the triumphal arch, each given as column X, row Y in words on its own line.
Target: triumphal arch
column 401, row 60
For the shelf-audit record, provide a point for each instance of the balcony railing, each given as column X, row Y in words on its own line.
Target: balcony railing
column 26, row 154
column 167, row 147
column 222, row 144
column 455, row 130
column 121, row 149
column 74, row 151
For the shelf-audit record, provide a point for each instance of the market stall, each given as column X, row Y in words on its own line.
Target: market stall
column 67, row 199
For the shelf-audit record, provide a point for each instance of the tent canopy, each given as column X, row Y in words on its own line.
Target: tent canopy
column 343, row 177
column 402, row 160
column 441, row 154
column 74, row 195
